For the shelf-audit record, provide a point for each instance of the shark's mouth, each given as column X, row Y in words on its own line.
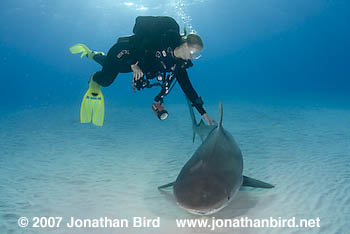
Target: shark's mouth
column 210, row 210
column 207, row 211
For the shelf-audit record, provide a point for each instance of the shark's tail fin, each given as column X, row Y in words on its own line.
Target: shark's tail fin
column 220, row 113
column 193, row 118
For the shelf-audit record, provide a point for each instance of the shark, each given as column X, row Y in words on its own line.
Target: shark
column 211, row 178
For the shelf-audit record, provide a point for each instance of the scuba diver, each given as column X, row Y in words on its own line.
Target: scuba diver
column 155, row 50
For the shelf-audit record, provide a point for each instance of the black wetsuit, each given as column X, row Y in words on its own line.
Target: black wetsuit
column 154, row 57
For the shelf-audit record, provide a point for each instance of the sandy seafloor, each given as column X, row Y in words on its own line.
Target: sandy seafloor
column 51, row 165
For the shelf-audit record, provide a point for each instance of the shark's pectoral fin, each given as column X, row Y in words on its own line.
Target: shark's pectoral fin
column 250, row 182
column 166, row 185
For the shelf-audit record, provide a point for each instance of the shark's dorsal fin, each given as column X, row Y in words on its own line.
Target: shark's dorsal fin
column 201, row 128
column 220, row 113
column 193, row 118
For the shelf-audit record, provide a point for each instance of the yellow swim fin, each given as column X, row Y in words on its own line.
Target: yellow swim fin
column 92, row 106
column 84, row 50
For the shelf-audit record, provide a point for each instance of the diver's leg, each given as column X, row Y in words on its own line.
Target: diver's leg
column 110, row 70
column 113, row 64
column 92, row 107
column 105, row 78
column 99, row 58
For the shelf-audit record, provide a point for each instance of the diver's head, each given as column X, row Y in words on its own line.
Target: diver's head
column 190, row 48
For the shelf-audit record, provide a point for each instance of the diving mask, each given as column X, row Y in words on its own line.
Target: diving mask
column 195, row 54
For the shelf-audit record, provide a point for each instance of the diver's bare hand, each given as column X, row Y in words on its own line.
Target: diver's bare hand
column 209, row 120
column 136, row 75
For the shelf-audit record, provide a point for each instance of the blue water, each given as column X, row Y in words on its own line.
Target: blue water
column 281, row 69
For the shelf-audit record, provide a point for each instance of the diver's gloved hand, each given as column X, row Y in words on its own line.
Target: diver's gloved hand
column 209, row 120
column 136, row 75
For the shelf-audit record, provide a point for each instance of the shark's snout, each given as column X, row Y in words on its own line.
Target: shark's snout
column 201, row 193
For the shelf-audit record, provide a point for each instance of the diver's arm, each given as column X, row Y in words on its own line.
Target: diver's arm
column 187, row 88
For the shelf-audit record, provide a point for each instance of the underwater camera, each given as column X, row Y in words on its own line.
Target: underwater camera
column 160, row 111
column 142, row 83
